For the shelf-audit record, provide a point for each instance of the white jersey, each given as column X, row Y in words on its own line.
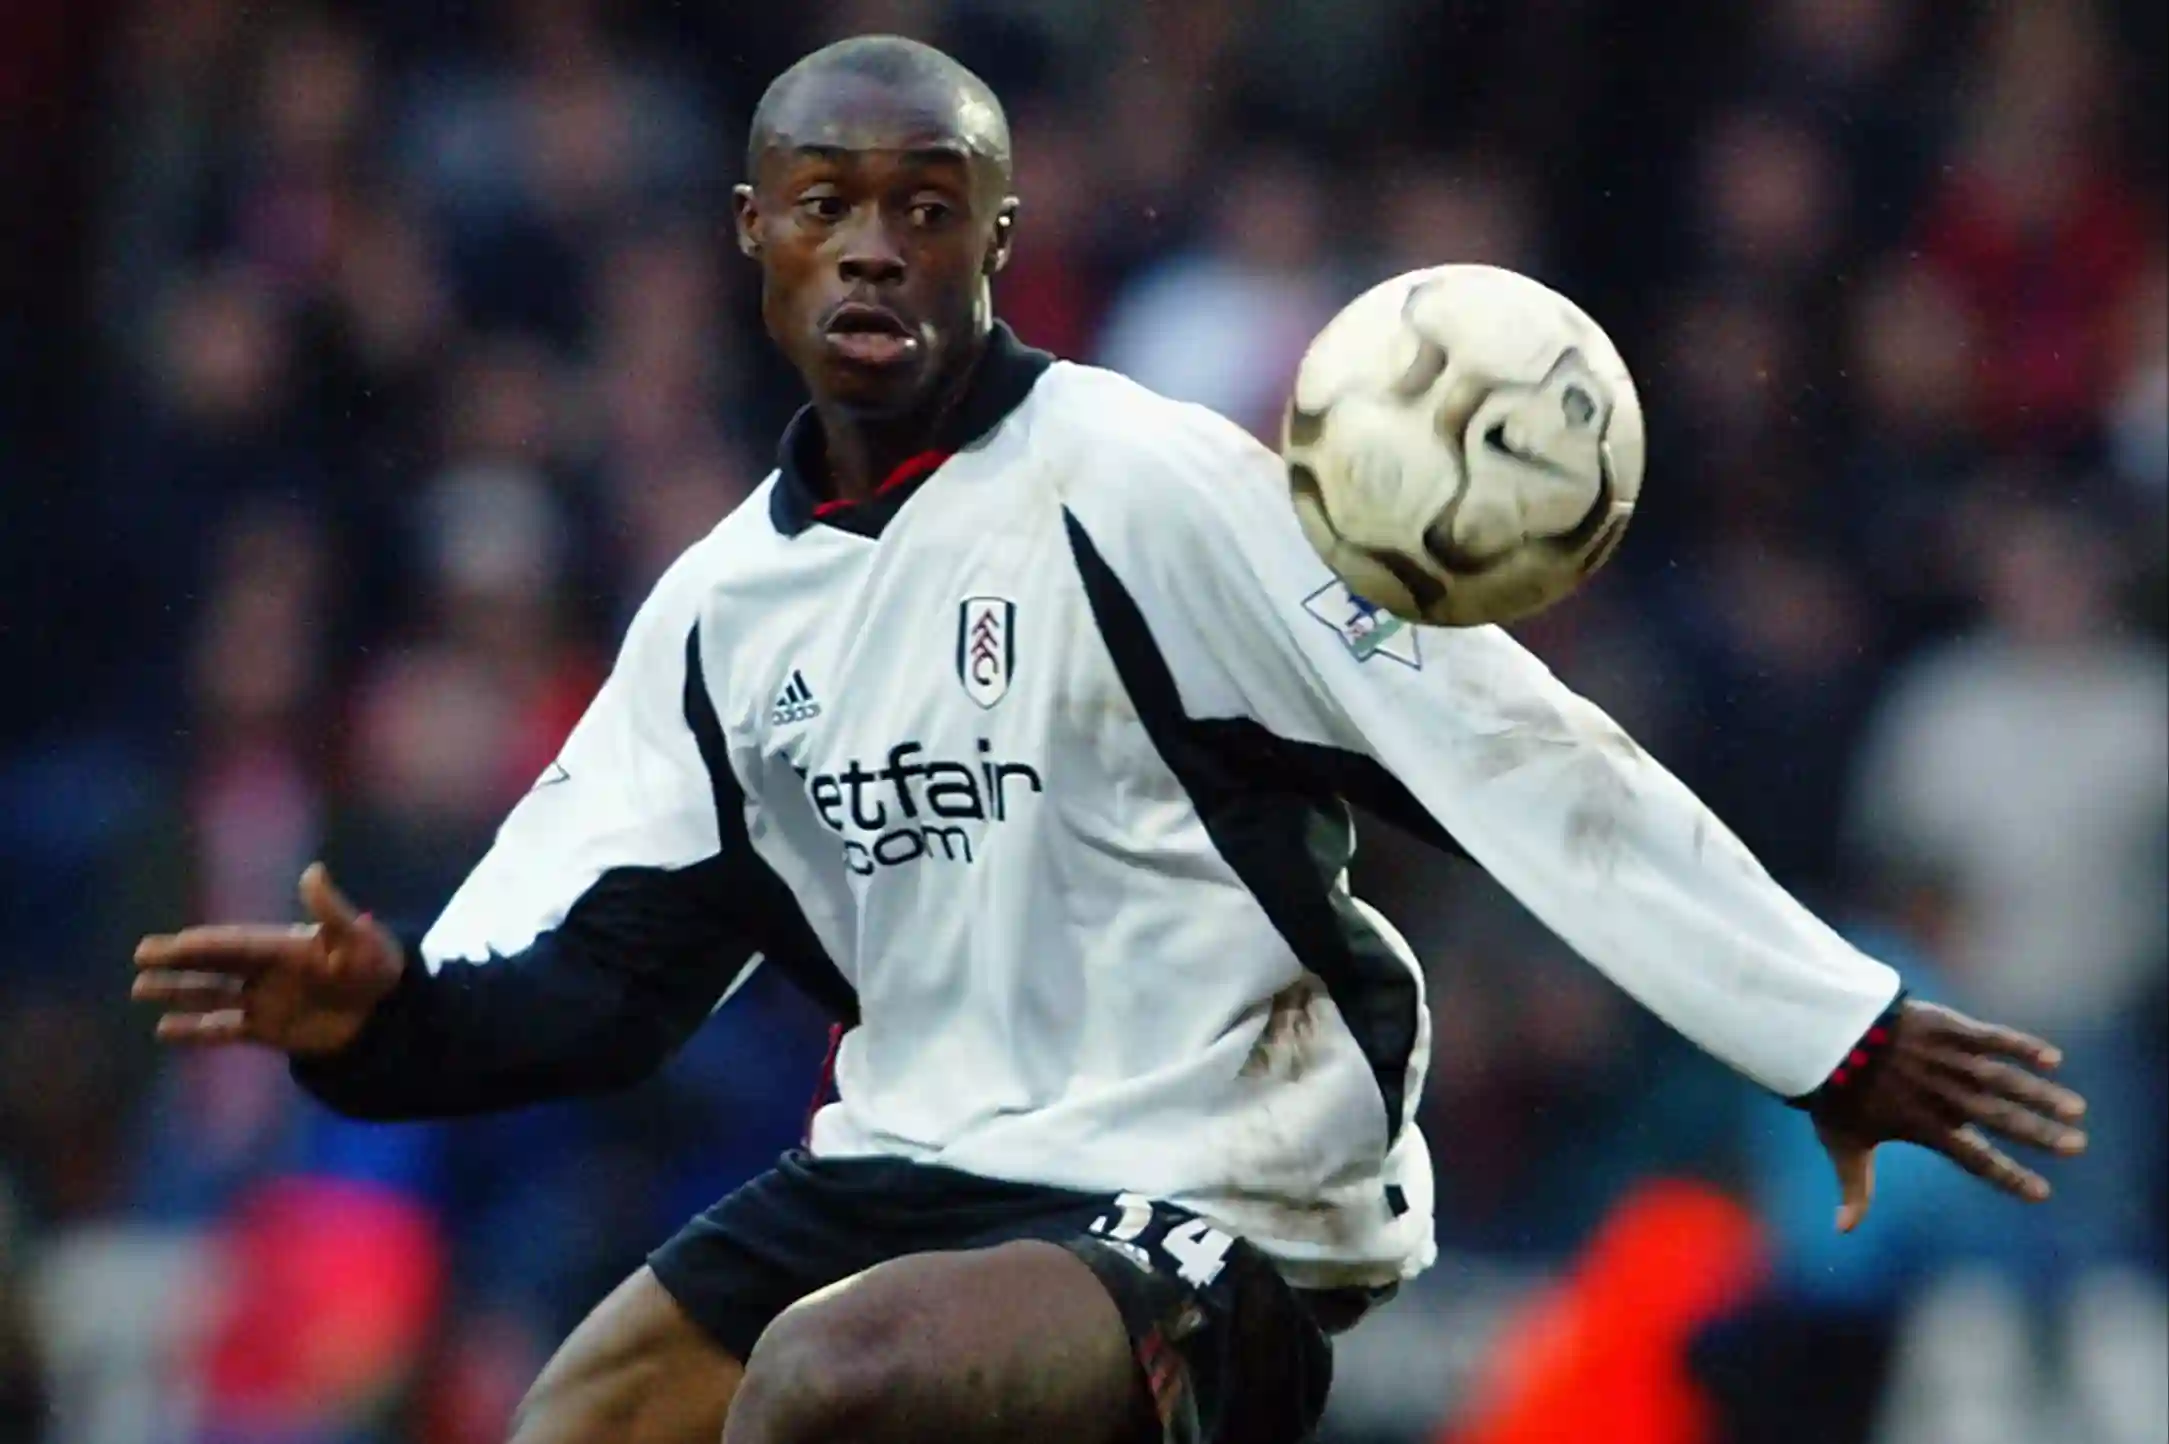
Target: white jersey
column 1036, row 767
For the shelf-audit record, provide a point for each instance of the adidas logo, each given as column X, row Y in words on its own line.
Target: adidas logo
column 794, row 703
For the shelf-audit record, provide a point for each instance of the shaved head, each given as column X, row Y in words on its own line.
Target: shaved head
column 798, row 108
column 877, row 204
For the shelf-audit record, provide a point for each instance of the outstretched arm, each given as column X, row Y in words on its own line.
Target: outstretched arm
column 621, row 901
column 377, row 1030
column 1467, row 731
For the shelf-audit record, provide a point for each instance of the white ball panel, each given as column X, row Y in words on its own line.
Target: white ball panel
column 1478, row 407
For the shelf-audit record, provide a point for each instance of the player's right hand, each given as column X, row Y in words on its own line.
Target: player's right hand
column 305, row 990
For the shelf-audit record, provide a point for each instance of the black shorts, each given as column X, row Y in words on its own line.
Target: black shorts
column 1233, row 1355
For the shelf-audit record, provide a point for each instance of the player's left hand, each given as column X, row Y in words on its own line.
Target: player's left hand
column 1947, row 1082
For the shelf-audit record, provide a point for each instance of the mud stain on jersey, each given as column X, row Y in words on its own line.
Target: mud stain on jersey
column 1322, row 1222
column 1596, row 826
column 1283, row 1049
column 1600, row 821
column 1535, row 729
column 1492, row 755
column 1280, row 1195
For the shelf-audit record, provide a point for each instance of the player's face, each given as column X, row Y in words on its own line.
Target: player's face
column 877, row 226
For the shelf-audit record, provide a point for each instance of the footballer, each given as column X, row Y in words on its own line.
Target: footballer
column 1014, row 720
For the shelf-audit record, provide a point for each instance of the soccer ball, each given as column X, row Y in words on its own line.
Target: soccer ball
column 1464, row 446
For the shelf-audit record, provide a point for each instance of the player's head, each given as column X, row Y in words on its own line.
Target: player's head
column 878, row 207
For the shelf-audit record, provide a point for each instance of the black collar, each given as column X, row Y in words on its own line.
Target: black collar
column 1006, row 373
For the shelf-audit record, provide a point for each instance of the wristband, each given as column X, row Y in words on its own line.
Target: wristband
column 1861, row 1062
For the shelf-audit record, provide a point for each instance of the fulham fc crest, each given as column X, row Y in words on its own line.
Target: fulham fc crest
column 986, row 647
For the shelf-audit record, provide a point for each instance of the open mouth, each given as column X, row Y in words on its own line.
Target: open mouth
column 868, row 335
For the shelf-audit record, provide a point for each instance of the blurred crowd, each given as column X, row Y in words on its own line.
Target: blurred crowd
column 410, row 347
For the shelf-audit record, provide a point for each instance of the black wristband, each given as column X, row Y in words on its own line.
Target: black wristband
column 1861, row 1061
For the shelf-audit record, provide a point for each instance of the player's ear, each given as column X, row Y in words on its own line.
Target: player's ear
column 1005, row 231
column 746, row 216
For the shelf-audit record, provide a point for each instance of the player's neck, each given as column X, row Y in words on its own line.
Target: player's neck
column 861, row 452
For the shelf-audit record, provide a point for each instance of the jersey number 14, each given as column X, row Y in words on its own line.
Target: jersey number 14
column 1197, row 1249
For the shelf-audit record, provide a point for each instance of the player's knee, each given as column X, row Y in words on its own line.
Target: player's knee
column 567, row 1405
column 826, row 1369
column 636, row 1371
column 534, row 1421
column 628, row 1403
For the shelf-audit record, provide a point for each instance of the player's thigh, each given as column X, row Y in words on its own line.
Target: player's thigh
column 636, row 1371
column 1016, row 1342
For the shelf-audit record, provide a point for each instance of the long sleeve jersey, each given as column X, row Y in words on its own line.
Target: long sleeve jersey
column 1036, row 768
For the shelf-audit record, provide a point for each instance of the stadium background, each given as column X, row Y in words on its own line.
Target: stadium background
column 360, row 365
